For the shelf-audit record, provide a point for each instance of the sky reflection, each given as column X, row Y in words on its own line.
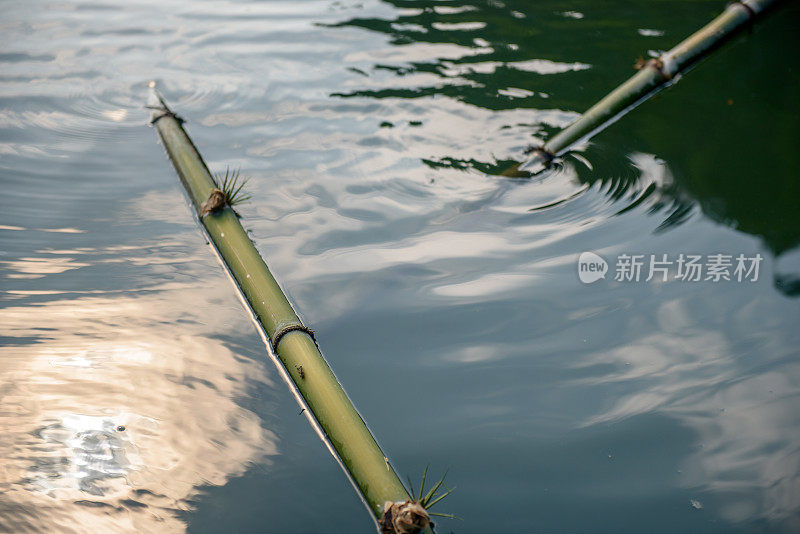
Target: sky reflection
column 112, row 420
column 745, row 418
column 441, row 293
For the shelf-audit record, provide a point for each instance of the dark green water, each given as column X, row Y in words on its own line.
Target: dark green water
column 135, row 395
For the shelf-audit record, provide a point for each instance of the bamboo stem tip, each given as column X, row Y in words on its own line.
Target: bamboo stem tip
column 407, row 517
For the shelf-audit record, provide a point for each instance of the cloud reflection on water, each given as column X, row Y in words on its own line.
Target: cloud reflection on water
column 745, row 418
column 112, row 419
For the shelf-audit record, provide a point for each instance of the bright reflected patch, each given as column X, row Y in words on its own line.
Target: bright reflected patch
column 116, row 115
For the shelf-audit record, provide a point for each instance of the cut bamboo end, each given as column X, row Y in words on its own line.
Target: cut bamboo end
column 290, row 342
column 656, row 74
column 407, row 517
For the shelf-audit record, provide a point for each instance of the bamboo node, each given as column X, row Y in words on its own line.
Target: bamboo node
column 215, row 202
column 164, row 113
column 282, row 331
column 751, row 13
column 658, row 65
column 407, row 517
column 231, row 183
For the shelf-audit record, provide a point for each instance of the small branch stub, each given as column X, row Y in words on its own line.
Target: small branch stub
column 408, row 517
column 215, row 202
column 412, row 516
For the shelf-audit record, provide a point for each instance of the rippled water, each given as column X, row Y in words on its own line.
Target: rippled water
column 135, row 392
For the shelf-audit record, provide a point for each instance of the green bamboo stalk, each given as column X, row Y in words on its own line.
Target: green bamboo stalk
column 655, row 75
column 330, row 410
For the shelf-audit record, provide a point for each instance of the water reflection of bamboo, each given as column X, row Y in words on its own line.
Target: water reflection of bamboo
column 112, row 425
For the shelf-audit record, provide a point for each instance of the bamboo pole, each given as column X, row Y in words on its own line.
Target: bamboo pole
column 298, row 357
column 655, row 75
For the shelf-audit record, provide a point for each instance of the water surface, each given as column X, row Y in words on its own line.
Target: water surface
column 136, row 396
